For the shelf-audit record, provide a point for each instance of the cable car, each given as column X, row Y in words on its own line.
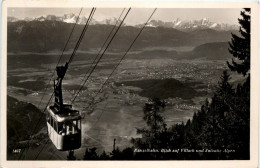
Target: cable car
column 63, row 122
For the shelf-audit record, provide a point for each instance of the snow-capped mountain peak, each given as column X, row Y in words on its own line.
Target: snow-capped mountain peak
column 40, row 18
column 205, row 21
column 69, row 18
column 190, row 25
column 214, row 25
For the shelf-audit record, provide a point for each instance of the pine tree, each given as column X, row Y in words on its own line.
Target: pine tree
column 155, row 125
column 239, row 115
column 240, row 46
column 90, row 154
column 224, row 92
column 104, row 156
column 151, row 114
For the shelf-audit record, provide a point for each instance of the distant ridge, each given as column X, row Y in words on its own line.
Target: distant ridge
column 211, row 51
column 177, row 23
column 45, row 36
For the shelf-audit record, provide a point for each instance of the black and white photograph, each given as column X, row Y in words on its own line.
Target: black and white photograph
column 128, row 83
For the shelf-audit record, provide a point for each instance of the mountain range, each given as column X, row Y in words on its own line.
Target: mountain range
column 46, row 36
column 175, row 23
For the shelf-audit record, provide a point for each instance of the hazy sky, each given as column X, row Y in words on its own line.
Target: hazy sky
column 137, row 15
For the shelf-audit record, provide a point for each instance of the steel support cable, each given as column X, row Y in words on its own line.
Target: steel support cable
column 82, row 35
column 70, row 60
column 41, row 149
column 43, row 146
column 35, row 128
column 102, row 47
column 101, row 56
column 121, row 61
column 60, row 57
column 72, row 56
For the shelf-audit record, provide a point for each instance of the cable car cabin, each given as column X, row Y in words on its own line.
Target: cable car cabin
column 63, row 122
column 64, row 129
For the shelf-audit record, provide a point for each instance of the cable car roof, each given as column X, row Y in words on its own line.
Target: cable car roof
column 68, row 115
